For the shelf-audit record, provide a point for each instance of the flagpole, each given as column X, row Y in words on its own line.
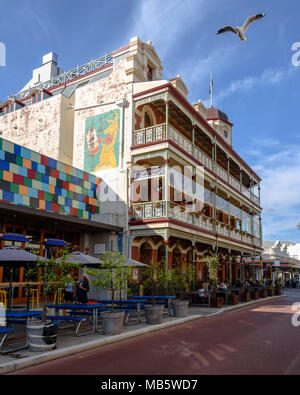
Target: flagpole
column 211, row 90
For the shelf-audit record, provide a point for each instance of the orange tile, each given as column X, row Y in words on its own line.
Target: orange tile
column 27, row 163
column 72, row 187
column 23, row 190
column 8, row 176
column 52, row 189
column 42, row 204
column 91, row 201
column 67, row 169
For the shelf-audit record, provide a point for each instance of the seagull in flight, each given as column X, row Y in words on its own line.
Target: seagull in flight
column 240, row 31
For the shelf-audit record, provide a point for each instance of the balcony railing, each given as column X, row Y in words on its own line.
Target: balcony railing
column 163, row 209
column 159, row 133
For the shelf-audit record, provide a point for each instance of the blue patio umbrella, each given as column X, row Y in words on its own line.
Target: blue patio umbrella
column 16, row 256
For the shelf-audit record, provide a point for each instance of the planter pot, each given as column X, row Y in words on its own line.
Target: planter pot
column 180, row 308
column 233, row 299
column 112, row 323
column 216, row 302
column 41, row 336
column 263, row 293
column 254, row 295
column 154, row 314
column 246, row 297
column 278, row 291
column 271, row 292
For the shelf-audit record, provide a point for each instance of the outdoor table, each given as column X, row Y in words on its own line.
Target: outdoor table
column 137, row 302
column 93, row 307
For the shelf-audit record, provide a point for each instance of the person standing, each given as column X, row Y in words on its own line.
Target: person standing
column 82, row 290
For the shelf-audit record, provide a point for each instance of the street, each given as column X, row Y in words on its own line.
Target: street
column 257, row 340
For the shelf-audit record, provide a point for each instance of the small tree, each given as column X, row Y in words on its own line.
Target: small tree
column 54, row 274
column 113, row 275
column 213, row 265
column 156, row 278
column 178, row 281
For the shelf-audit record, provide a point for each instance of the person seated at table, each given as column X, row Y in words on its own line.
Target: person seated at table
column 68, row 293
column 222, row 286
column 203, row 293
column 82, row 290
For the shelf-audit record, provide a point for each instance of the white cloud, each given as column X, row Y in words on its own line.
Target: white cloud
column 268, row 77
column 163, row 22
column 280, row 191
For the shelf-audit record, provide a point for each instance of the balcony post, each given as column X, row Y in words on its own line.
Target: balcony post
column 167, row 117
column 259, row 192
column 166, row 243
column 228, row 170
column 260, row 230
column 241, row 180
column 167, row 187
column 193, row 139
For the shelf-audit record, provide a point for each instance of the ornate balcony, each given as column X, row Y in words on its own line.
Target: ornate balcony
column 160, row 132
column 164, row 209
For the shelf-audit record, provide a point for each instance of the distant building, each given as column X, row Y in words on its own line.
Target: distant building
column 169, row 176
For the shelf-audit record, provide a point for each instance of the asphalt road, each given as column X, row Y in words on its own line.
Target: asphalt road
column 258, row 340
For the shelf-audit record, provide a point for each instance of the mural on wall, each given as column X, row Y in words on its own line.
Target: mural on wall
column 102, row 141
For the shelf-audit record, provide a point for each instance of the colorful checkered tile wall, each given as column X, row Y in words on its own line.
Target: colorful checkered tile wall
column 33, row 180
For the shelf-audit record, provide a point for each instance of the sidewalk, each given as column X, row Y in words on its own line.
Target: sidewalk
column 69, row 344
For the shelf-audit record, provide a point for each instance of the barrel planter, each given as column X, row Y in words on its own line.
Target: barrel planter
column 154, row 314
column 271, row 292
column 216, row 302
column 263, row 293
column 180, row 308
column 254, row 295
column 233, row 299
column 246, row 297
column 112, row 322
column 41, row 336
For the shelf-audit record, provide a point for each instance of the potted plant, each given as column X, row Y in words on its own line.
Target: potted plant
column 271, row 290
column 213, row 265
column 245, row 295
column 54, row 274
column 254, row 295
column 156, row 279
column 113, row 276
column 178, row 285
column 263, row 293
column 278, row 290
column 232, row 297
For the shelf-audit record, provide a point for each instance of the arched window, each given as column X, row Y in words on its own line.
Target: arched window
column 147, row 121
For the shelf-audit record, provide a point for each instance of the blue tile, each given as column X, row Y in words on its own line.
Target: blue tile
column 25, row 153
column 4, row 165
column 45, row 187
column 74, row 180
column 45, row 178
column 23, row 171
column 18, row 199
column 48, row 206
column 34, row 166
column 64, row 192
column 41, row 168
column 62, row 176
column 68, row 202
column 32, row 192
column 58, row 191
column 79, row 173
column 17, row 150
column 52, row 163
column 8, row 196
column 2, row 155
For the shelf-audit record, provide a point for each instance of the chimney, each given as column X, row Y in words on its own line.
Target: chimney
column 180, row 85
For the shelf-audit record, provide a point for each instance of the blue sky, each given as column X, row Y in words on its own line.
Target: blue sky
column 255, row 82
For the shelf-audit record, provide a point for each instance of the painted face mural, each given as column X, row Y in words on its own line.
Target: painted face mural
column 102, row 141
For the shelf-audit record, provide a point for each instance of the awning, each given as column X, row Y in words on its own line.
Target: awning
column 13, row 237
